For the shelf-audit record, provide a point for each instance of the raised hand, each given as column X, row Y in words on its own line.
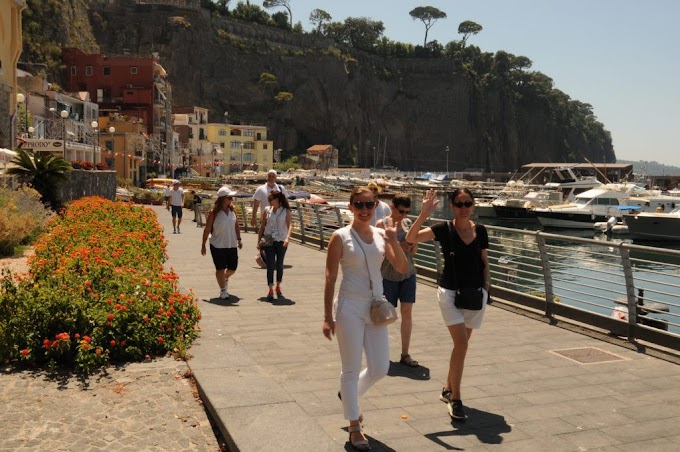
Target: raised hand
column 390, row 229
column 430, row 202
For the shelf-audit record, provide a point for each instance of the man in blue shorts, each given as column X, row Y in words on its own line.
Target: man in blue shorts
column 176, row 202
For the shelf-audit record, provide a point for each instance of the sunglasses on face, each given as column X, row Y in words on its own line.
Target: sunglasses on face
column 363, row 204
column 461, row 204
column 403, row 211
column 229, row 197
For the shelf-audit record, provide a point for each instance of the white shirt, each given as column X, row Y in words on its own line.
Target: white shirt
column 382, row 211
column 224, row 230
column 276, row 224
column 167, row 191
column 177, row 197
column 355, row 273
column 262, row 193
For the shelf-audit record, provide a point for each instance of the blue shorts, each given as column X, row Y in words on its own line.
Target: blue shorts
column 404, row 290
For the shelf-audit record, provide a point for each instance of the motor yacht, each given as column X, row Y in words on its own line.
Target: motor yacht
column 654, row 226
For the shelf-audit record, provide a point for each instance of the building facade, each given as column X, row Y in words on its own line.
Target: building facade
column 10, row 51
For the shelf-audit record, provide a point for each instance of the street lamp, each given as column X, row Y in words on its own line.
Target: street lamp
column 241, row 144
column 447, row 160
column 30, row 131
column 95, row 126
column 21, row 99
column 64, row 115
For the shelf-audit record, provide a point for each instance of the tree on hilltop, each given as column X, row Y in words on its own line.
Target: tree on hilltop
column 357, row 32
column 250, row 13
column 319, row 17
column 277, row 3
column 468, row 28
column 429, row 15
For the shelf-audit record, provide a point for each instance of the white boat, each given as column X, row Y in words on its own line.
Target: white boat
column 602, row 203
column 563, row 189
column 654, row 226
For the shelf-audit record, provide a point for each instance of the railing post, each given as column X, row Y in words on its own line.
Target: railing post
column 318, row 220
column 243, row 214
column 547, row 275
column 341, row 223
column 301, row 219
column 630, row 290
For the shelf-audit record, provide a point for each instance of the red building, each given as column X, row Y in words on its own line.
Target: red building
column 132, row 86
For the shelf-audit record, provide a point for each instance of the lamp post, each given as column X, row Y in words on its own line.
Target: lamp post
column 447, row 160
column 30, row 131
column 21, row 99
column 112, row 130
column 95, row 126
column 64, row 115
column 241, row 145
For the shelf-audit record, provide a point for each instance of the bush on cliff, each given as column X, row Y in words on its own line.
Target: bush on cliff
column 96, row 292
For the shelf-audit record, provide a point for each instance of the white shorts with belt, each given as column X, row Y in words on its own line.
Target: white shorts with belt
column 454, row 316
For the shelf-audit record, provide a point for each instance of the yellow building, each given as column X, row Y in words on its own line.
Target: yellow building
column 126, row 148
column 10, row 50
column 244, row 146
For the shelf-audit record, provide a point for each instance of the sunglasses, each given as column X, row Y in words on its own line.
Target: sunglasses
column 403, row 211
column 363, row 204
column 461, row 204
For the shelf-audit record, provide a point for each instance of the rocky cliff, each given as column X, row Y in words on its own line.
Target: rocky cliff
column 412, row 108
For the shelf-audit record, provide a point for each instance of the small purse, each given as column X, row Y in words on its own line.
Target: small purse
column 266, row 240
column 382, row 311
column 469, row 298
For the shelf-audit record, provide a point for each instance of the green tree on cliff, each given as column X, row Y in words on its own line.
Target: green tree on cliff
column 319, row 17
column 277, row 3
column 251, row 13
column 429, row 15
column 357, row 32
column 468, row 28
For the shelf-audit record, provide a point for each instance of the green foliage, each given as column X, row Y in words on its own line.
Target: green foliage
column 319, row 17
column 357, row 32
column 89, row 298
column 280, row 3
column 22, row 218
column 42, row 171
column 250, row 13
column 284, row 96
column 291, row 163
column 220, row 7
column 428, row 15
column 267, row 79
column 468, row 28
column 280, row 20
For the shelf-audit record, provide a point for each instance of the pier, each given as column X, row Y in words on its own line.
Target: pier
column 270, row 379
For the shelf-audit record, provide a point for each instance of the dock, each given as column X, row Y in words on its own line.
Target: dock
column 269, row 378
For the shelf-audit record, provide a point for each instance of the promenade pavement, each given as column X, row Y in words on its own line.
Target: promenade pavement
column 270, row 378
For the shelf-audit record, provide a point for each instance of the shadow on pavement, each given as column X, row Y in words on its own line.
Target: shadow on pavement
column 231, row 301
column 487, row 427
column 414, row 373
column 373, row 443
column 280, row 301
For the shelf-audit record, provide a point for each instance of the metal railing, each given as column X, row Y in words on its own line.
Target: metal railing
column 618, row 287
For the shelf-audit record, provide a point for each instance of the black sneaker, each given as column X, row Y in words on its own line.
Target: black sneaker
column 445, row 396
column 456, row 410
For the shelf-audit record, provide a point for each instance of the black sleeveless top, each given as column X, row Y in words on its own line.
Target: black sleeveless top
column 464, row 260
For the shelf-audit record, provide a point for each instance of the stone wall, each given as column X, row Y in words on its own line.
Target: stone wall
column 89, row 183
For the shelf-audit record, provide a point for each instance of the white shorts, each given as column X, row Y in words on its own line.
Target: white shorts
column 453, row 316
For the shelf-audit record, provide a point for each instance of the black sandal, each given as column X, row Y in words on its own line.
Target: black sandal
column 407, row 361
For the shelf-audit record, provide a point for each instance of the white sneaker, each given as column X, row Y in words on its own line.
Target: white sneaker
column 224, row 294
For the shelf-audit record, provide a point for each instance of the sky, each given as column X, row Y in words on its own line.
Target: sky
column 620, row 56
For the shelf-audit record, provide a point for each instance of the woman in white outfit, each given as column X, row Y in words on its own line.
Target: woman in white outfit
column 225, row 235
column 360, row 250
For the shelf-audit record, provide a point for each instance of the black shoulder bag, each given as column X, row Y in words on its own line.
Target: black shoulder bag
column 469, row 298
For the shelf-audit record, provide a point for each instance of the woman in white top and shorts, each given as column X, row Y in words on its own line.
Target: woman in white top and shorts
column 225, row 236
column 360, row 250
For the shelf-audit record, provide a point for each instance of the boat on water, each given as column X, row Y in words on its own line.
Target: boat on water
column 602, row 203
column 654, row 226
column 564, row 187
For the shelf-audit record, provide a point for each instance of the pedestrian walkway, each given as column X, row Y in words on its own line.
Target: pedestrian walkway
column 270, row 378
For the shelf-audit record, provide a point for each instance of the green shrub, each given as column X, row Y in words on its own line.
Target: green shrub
column 22, row 217
column 96, row 292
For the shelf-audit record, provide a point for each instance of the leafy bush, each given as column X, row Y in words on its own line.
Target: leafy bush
column 22, row 218
column 96, row 292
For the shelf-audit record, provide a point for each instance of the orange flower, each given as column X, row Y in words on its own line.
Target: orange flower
column 160, row 340
column 110, row 316
column 113, row 343
column 98, row 351
column 25, row 352
column 86, row 346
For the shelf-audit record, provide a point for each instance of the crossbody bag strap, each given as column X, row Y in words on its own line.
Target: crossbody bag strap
column 363, row 251
column 453, row 254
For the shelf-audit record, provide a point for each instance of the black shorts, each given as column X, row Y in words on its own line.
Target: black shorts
column 224, row 258
column 176, row 211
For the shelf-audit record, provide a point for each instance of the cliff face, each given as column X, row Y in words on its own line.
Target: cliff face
column 418, row 106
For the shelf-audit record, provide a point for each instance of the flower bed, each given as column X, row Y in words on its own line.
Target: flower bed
column 96, row 291
column 22, row 217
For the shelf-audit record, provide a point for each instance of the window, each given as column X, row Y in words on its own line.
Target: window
column 222, row 133
column 249, row 145
column 248, row 133
column 88, row 71
column 235, row 145
column 74, row 70
column 107, row 71
column 133, row 70
column 264, row 146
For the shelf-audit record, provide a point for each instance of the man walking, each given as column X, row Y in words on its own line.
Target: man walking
column 176, row 202
column 260, row 201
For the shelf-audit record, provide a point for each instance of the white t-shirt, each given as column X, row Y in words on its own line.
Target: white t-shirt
column 382, row 211
column 355, row 273
column 167, row 192
column 276, row 223
column 262, row 193
column 177, row 197
column 224, row 230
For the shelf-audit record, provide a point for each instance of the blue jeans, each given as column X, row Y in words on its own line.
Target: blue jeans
column 275, row 256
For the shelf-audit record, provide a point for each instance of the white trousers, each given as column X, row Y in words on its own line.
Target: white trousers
column 355, row 334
